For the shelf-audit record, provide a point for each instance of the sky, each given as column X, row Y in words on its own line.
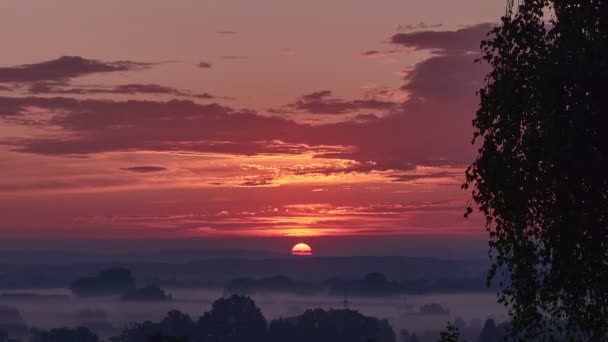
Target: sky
column 240, row 122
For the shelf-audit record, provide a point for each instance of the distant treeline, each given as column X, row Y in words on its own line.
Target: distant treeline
column 416, row 275
column 233, row 319
column 238, row 319
column 373, row 284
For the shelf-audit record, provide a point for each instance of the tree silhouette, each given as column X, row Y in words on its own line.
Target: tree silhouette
column 178, row 324
column 3, row 335
column 331, row 326
column 541, row 176
column 451, row 334
column 233, row 319
column 137, row 332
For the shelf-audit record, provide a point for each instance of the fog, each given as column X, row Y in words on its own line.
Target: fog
column 58, row 307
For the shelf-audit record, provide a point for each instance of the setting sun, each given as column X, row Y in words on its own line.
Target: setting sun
column 301, row 249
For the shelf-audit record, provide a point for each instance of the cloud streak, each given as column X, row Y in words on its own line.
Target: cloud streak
column 65, row 68
column 145, row 169
column 60, row 88
column 464, row 40
column 322, row 102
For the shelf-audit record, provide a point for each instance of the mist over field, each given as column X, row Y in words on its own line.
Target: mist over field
column 413, row 293
column 402, row 311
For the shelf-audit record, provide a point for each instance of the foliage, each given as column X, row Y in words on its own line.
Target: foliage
column 541, row 176
column 451, row 334
column 331, row 326
column 137, row 332
column 238, row 319
column 176, row 326
column 234, row 319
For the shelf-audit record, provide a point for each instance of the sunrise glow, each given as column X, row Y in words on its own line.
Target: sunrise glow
column 268, row 131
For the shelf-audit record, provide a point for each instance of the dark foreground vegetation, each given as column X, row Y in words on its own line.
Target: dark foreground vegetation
column 238, row 319
column 541, row 175
column 231, row 319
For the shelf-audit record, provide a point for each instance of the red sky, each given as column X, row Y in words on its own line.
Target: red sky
column 237, row 118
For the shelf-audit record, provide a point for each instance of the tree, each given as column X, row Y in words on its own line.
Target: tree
column 233, row 319
column 451, row 334
column 176, row 326
column 541, row 176
column 331, row 326
column 3, row 335
column 137, row 332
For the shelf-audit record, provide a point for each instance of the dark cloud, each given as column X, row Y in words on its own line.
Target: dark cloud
column 322, row 102
column 420, row 26
column 64, row 68
column 63, row 88
column 431, row 127
column 378, row 53
column 370, row 53
column 317, row 95
column 145, row 169
column 258, row 181
column 353, row 167
column 104, row 125
column 204, row 65
column 467, row 39
column 366, row 117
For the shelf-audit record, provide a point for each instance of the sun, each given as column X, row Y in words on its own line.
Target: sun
column 301, row 249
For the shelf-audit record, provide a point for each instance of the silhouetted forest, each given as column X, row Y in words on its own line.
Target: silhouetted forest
column 239, row 319
column 415, row 275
